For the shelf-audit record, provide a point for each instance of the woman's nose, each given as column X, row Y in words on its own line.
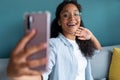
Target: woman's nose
column 71, row 16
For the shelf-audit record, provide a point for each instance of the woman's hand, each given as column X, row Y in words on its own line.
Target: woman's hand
column 19, row 67
column 83, row 33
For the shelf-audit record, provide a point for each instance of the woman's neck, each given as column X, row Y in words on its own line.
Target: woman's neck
column 70, row 36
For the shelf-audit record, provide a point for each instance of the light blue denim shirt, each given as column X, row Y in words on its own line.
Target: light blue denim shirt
column 62, row 64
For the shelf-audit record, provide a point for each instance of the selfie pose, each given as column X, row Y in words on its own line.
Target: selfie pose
column 71, row 47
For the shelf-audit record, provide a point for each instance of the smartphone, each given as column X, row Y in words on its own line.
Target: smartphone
column 41, row 22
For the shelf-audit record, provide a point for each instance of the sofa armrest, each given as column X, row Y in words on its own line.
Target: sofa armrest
column 100, row 62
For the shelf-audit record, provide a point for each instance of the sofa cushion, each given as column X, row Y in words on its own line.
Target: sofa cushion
column 114, row 73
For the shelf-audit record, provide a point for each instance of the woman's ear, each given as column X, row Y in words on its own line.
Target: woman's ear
column 59, row 22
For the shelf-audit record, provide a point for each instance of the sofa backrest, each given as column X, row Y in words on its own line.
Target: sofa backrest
column 3, row 67
column 100, row 62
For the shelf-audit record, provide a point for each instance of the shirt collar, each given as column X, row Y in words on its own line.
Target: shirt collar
column 64, row 40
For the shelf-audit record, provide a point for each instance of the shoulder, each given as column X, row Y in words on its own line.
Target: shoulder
column 54, row 41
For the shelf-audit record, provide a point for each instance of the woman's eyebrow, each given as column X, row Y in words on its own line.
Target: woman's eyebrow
column 76, row 10
column 64, row 11
column 68, row 11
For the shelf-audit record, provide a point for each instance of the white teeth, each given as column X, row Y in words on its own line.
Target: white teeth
column 71, row 24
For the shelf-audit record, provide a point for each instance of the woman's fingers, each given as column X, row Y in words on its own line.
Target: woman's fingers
column 21, row 45
column 27, row 71
column 33, row 49
column 80, row 32
column 37, row 62
column 83, row 33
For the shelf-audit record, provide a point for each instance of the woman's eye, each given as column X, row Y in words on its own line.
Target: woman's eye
column 65, row 15
column 77, row 14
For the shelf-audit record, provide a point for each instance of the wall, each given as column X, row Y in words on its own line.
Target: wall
column 101, row 17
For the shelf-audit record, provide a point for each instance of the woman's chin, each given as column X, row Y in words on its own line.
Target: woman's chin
column 72, row 32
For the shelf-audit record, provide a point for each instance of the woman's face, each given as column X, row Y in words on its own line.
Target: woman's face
column 69, row 19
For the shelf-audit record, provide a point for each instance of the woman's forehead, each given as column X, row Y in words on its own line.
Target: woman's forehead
column 69, row 7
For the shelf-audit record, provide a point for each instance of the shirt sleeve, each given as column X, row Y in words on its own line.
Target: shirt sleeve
column 51, row 61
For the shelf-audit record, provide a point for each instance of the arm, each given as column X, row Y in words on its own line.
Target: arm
column 96, row 42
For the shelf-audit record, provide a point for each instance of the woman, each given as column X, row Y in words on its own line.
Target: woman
column 71, row 46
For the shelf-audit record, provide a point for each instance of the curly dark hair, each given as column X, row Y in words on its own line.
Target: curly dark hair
column 86, row 46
